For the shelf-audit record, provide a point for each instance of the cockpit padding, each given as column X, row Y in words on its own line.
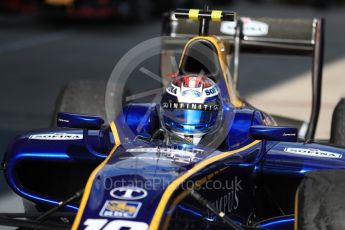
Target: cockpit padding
column 201, row 57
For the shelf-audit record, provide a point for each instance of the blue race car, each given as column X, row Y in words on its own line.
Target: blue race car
column 202, row 157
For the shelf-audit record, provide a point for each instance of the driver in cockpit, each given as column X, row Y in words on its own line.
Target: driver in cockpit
column 191, row 107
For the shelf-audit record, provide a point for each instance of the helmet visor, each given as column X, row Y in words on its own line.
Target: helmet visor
column 189, row 121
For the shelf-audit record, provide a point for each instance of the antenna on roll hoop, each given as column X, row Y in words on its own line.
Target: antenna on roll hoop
column 204, row 23
column 205, row 16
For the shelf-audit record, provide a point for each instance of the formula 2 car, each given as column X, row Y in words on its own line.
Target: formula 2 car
column 249, row 174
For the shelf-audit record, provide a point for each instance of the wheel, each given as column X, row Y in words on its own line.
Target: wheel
column 338, row 124
column 82, row 96
column 320, row 202
column 85, row 97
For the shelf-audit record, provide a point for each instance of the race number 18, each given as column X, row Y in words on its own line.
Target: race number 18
column 98, row 224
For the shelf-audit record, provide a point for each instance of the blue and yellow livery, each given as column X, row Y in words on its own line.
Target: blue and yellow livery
column 136, row 180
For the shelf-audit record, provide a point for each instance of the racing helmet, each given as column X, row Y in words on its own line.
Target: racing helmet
column 191, row 107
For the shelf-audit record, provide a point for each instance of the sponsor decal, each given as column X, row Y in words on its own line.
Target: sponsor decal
column 181, row 155
column 120, row 209
column 210, row 92
column 250, row 27
column 63, row 120
column 128, row 193
column 289, row 134
column 56, row 136
column 191, row 93
column 313, row 152
column 190, row 106
column 172, row 90
column 229, row 202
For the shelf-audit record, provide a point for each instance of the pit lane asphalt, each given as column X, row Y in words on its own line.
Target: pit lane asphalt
column 38, row 58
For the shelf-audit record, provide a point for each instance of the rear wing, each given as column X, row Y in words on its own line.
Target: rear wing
column 302, row 37
column 260, row 35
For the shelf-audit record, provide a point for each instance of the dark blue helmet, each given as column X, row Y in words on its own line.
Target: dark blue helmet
column 191, row 106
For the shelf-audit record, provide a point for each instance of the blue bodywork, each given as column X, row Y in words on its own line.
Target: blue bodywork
column 42, row 164
column 251, row 176
column 70, row 120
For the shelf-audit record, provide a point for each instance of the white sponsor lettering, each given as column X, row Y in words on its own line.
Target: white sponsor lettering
column 63, row 120
column 56, row 136
column 176, row 154
column 289, row 134
column 313, row 152
column 190, row 106
column 210, row 92
column 250, row 28
column 173, row 90
column 229, row 202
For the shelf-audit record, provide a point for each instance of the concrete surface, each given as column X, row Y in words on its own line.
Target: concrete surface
column 293, row 98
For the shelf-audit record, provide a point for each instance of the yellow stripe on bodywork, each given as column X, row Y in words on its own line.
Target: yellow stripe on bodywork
column 183, row 194
column 156, row 220
column 216, row 15
column 59, row 2
column 89, row 183
column 193, row 14
column 235, row 100
column 296, row 211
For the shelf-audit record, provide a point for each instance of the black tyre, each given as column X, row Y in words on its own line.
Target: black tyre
column 320, row 202
column 86, row 97
column 338, row 124
column 82, row 96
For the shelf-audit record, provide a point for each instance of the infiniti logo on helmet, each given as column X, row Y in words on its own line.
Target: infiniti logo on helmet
column 191, row 106
column 128, row 193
